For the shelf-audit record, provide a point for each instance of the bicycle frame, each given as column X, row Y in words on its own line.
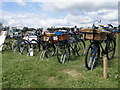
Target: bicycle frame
column 98, row 44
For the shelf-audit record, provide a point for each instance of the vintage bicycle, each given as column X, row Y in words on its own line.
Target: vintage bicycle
column 95, row 48
column 20, row 45
column 64, row 45
column 48, row 47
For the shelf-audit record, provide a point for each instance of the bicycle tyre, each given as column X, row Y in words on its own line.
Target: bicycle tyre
column 50, row 50
column 63, row 53
column 80, row 47
column 24, row 47
column 35, row 45
column 15, row 46
column 110, row 49
column 6, row 46
column 92, row 60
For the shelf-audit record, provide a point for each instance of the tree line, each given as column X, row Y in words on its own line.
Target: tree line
column 25, row 29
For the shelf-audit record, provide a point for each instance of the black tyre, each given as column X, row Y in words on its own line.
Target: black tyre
column 73, row 48
column 35, row 45
column 50, row 50
column 110, row 49
column 63, row 53
column 15, row 46
column 92, row 56
column 80, row 47
column 6, row 47
column 24, row 47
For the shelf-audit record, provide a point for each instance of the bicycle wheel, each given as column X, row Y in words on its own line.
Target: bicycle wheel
column 110, row 49
column 92, row 56
column 50, row 50
column 24, row 47
column 72, row 48
column 63, row 53
column 35, row 45
column 80, row 47
column 15, row 46
column 6, row 46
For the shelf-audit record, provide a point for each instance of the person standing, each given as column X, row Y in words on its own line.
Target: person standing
column 75, row 29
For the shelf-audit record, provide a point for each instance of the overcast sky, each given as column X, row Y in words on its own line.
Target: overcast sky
column 47, row 13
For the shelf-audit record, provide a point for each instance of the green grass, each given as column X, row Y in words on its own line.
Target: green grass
column 21, row 71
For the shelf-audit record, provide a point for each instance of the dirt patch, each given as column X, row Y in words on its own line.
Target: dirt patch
column 52, row 79
column 72, row 72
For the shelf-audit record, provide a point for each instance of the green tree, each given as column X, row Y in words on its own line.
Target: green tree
column 31, row 29
column 25, row 29
column 1, row 26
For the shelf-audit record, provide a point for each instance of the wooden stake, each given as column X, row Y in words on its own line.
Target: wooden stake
column 105, row 63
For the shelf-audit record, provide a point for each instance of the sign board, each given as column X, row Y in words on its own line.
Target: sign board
column 3, row 35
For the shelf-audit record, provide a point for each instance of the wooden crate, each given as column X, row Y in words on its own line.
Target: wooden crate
column 55, row 38
column 94, row 31
column 89, row 30
column 60, row 37
column 48, row 39
column 49, row 34
column 94, row 34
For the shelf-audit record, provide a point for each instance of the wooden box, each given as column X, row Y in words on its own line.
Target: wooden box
column 94, row 34
column 61, row 37
column 49, row 34
column 55, row 38
column 91, row 36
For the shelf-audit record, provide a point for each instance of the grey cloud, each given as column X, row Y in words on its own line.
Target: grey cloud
column 76, row 7
column 83, row 14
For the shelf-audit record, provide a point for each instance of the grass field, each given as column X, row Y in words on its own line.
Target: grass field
column 21, row 71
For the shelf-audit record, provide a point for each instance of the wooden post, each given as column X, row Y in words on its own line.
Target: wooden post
column 105, row 63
